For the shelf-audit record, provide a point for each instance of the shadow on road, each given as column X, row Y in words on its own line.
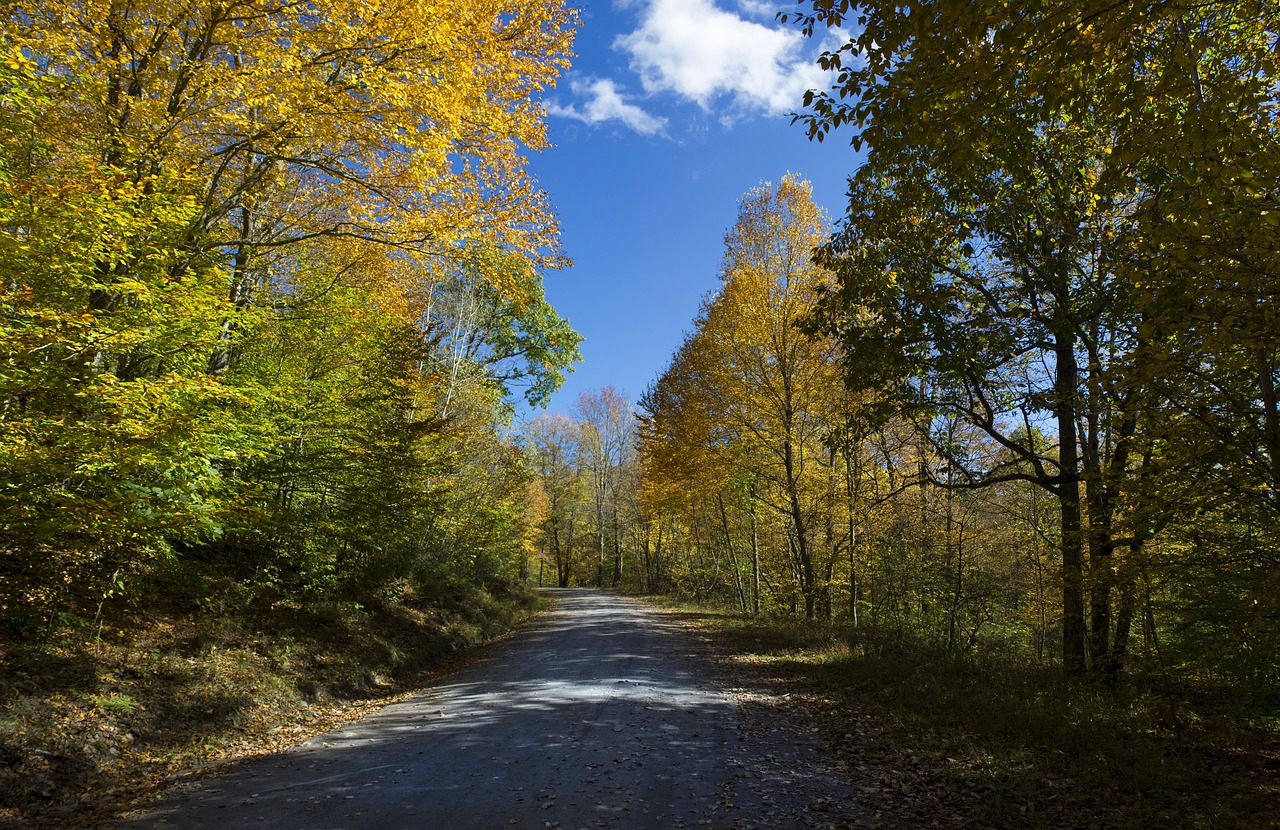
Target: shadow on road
column 602, row 714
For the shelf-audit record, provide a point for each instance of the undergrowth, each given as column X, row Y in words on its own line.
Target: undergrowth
column 97, row 712
column 936, row 740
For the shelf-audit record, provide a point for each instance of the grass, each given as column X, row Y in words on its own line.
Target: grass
column 936, row 741
column 92, row 723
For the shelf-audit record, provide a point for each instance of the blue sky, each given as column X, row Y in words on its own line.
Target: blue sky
column 671, row 112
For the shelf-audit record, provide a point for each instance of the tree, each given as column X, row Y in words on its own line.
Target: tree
column 509, row 341
column 688, row 453
column 223, row 226
column 105, row 460
column 351, row 132
column 1021, row 185
column 553, row 444
column 747, row 397
column 774, row 383
column 606, row 446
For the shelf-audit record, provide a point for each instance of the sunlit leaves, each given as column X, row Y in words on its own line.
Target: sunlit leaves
column 748, row 394
column 1116, row 254
column 225, row 233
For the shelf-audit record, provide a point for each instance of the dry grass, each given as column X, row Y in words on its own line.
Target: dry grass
column 93, row 722
column 934, row 742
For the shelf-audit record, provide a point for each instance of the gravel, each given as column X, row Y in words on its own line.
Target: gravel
column 602, row 714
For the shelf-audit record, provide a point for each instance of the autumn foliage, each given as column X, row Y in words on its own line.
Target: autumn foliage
column 270, row 274
column 1024, row 395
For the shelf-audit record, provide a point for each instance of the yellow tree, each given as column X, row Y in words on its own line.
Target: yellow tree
column 171, row 171
column 775, row 383
column 687, row 454
column 396, row 123
column 399, row 123
column 754, row 389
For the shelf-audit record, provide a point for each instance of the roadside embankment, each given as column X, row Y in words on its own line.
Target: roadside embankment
column 96, row 714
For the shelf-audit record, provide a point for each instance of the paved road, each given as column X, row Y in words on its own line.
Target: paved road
column 603, row 714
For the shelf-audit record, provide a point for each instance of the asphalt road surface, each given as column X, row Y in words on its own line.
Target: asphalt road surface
column 602, row 714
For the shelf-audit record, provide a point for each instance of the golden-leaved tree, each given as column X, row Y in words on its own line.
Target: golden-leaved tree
column 754, row 392
column 188, row 192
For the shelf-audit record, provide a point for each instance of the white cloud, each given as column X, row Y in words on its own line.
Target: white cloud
column 701, row 52
column 605, row 103
column 759, row 8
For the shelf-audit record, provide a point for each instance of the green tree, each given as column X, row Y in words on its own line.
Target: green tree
column 112, row 429
column 508, row 339
column 1042, row 164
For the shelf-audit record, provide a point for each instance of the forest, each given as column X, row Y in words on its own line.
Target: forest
column 259, row 320
column 272, row 283
column 271, row 295
column 1022, row 395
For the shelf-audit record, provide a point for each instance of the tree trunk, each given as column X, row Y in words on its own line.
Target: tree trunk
column 1124, row 623
column 241, row 294
column 1270, row 413
column 755, row 561
column 804, row 558
column 733, row 556
column 851, row 492
column 617, row 550
column 1068, row 491
column 657, row 560
column 957, row 588
column 600, row 540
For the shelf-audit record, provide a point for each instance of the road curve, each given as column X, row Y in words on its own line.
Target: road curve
column 602, row 714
